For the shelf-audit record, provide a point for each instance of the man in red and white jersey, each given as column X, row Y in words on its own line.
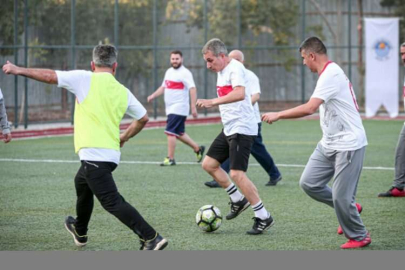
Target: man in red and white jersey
column 258, row 150
column 236, row 139
column 177, row 85
column 340, row 153
column 397, row 190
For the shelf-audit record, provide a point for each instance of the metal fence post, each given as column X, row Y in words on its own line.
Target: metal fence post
column 302, row 66
column 116, row 24
column 239, row 8
column 155, row 75
column 16, row 62
column 26, row 63
column 73, row 50
column 205, row 41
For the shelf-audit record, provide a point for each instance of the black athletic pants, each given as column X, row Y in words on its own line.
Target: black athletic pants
column 95, row 178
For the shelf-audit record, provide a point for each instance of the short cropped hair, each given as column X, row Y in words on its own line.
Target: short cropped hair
column 313, row 44
column 403, row 44
column 216, row 46
column 105, row 55
column 177, row 52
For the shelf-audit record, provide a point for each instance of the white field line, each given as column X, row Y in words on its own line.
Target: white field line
column 158, row 162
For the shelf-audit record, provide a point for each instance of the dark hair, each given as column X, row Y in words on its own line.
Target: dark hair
column 313, row 44
column 176, row 52
column 105, row 55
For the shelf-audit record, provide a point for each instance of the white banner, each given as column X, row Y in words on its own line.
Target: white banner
column 382, row 50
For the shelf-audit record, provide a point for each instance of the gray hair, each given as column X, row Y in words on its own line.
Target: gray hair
column 403, row 44
column 216, row 46
column 313, row 44
column 105, row 55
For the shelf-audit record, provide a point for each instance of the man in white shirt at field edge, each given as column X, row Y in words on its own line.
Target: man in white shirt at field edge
column 178, row 84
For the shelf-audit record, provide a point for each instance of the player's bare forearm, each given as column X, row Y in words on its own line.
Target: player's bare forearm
column 193, row 101
column 133, row 129
column 157, row 93
column 237, row 94
column 193, row 96
column 41, row 75
column 255, row 98
column 306, row 109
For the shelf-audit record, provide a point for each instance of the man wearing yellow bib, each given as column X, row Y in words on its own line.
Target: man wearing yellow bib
column 101, row 102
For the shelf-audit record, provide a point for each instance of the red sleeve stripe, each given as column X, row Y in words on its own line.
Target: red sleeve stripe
column 224, row 90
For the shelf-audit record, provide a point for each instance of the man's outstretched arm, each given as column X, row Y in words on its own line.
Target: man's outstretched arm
column 41, row 75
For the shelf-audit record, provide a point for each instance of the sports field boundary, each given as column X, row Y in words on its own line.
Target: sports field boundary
column 58, row 131
column 22, row 160
column 50, row 130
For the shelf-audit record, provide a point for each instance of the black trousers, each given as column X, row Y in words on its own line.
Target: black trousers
column 95, row 178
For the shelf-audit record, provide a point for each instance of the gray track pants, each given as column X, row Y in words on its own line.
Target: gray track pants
column 345, row 167
column 399, row 180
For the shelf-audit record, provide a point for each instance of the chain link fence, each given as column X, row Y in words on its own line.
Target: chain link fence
column 60, row 34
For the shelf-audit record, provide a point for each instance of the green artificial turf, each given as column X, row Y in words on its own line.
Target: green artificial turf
column 36, row 196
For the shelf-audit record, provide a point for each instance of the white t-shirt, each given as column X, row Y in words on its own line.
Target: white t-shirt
column 78, row 83
column 340, row 119
column 253, row 87
column 177, row 84
column 1, row 94
column 237, row 117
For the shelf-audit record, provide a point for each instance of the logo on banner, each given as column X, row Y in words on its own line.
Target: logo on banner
column 382, row 49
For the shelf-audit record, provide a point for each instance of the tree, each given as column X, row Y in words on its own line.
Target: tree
column 7, row 25
column 399, row 10
column 275, row 18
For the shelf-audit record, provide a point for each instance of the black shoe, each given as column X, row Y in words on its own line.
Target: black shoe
column 237, row 208
column 157, row 243
column 212, row 184
column 80, row 240
column 273, row 182
column 200, row 153
column 259, row 226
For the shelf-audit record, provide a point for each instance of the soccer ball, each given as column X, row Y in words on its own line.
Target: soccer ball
column 208, row 218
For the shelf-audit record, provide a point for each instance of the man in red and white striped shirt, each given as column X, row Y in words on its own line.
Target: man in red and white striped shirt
column 237, row 136
column 177, row 86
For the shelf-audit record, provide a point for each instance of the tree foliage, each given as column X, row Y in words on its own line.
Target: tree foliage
column 49, row 24
column 259, row 17
column 7, row 25
column 276, row 18
column 398, row 7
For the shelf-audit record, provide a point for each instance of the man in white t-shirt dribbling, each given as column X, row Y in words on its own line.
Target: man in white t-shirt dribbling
column 340, row 153
column 236, row 138
column 258, row 151
column 177, row 85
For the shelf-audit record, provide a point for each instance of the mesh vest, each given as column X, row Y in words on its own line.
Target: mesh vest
column 97, row 118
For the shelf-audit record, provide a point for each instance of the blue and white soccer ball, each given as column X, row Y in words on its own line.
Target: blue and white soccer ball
column 208, row 218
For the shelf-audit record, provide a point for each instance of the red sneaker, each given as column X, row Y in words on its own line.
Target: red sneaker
column 357, row 244
column 393, row 192
column 359, row 208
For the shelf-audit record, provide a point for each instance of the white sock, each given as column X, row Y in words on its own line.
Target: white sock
column 260, row 211
column 234, row 193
